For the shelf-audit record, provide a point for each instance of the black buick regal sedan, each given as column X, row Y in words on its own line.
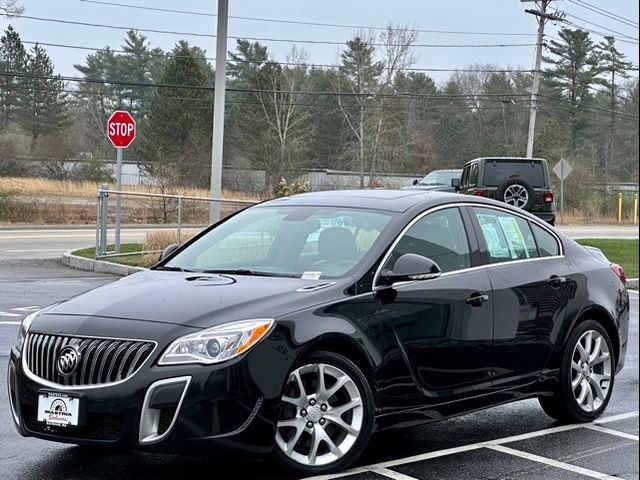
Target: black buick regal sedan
column 300, row 326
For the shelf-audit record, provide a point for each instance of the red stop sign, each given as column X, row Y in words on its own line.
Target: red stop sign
column 121, row 129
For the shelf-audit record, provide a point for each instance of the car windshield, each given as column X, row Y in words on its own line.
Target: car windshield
column 440, row 178
column 304, row 242
column 497, row 172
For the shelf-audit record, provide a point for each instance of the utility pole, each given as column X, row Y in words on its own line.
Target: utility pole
column 218, row 110
column 542, row 17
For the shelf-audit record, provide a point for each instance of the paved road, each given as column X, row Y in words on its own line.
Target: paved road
column 516, row 441
column 53, row 242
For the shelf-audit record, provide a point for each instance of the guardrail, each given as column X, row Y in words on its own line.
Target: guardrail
column 102, row 221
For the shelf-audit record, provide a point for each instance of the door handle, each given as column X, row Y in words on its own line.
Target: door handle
column 477, row 299
column 556, row 281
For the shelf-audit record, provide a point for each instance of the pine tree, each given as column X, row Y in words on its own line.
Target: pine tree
column 44, row 106
column 575, row 67
column 176, row 140
column 13, row 63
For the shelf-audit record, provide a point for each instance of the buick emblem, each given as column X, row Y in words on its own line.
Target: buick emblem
column 68, row 361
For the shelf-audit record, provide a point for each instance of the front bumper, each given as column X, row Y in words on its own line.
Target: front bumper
column 179, row 409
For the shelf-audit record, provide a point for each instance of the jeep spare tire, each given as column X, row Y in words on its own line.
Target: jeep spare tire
column 517, row 192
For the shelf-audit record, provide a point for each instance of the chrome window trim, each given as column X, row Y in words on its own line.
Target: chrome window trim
column 420, row 216
column 57, row 386
column 154, row 437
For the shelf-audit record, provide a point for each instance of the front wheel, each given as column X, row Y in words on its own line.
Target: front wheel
column 326, row 415
column 586, row 376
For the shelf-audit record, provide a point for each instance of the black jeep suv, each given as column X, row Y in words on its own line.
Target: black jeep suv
column 521, row 182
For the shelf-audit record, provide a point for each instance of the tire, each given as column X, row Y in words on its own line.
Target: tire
column 524, row 193
column 565, row 404
column 307, row 416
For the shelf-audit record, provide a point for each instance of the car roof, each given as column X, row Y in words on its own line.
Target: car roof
column 446, row 170
column 373, row 199
column 512, row 159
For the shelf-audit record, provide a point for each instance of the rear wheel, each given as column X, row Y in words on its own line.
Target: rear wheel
column 326, row 416
column 586, row 376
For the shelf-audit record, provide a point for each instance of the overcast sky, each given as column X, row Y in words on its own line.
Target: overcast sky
column 506, row 16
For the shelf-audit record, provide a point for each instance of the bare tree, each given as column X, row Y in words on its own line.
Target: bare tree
column 10, row 8
column 365, row 85
column 281, row 100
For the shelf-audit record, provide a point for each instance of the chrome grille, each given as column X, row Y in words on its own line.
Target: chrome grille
column 102, row 360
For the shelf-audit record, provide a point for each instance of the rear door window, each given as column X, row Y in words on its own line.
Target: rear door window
column 507, row 237
column 547, row 243
column 499, row 171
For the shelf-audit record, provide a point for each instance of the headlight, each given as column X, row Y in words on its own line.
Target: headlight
column 24, row 329
column 216, row 344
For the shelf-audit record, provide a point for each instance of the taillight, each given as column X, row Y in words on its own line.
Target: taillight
column 619, row 271
column 548, row 197
column 479, row 193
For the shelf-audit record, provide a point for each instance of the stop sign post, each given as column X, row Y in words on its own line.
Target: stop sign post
column 121, row 131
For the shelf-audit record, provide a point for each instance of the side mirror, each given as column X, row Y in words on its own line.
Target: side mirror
column 411, row 266
column 415, row 181
column 168, row 251
column 455, row 183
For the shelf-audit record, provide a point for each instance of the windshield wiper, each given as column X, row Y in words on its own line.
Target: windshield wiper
column 244, row 271
column 171, row 268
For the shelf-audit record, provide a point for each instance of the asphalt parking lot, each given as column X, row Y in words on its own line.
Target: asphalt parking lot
column 516, row 441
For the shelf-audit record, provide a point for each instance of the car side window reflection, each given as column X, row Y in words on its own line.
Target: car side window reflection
column 547, row 244
column 507, row 237
column 440, row 236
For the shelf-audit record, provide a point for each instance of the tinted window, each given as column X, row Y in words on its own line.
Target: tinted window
column 508, row 237
column 439, row 236
column 497, row 172
column 547, row 243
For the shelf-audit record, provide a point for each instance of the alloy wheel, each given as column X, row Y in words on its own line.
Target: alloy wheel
column 321, row 415
column 591, row 370
column 516, row 195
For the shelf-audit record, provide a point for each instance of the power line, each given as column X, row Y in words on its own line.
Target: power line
column 253, row 90
column 601, row 26
column 604, row 13
column 602, row 34
column 296, row 64
column 591, row 107
column 280, row 40
column 310, row 105
column 298, row 22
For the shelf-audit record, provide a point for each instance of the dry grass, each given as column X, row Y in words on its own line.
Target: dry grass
column 159, row 241
column 42, row 201
column 35, row 187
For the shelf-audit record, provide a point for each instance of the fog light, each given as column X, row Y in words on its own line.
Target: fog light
column 213, row 348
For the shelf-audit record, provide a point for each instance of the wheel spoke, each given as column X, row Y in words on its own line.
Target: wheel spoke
column 299, row 402
column 320, row 372
column 600, row 359
column 337, row 420
column 589, row 397
column 313, row 449
column 324, row 437
column 295, row 376
column 588, row 342
column 292, row 422
column 595, row 350
column 581, row 351
column 597, row 388
column 576, row 381
column 293, row 441
column 339, row 411
column 575, row 366
column 583, row 391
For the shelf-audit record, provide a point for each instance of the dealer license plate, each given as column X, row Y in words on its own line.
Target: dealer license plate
column 59, row 409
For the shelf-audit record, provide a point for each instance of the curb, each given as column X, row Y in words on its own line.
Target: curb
column 98, row 266
column 632, row 283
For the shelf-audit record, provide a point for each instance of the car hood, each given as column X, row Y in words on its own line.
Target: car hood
column 199, row 300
